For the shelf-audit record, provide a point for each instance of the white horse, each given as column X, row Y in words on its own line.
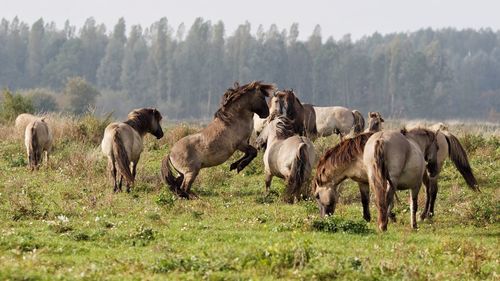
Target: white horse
column 338, row 120
column 288, row 156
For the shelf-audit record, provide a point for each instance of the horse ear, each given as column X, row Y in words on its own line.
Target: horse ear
column 382, row 119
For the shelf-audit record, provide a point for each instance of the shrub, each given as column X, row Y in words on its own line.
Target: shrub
column 13, row 105
column 43, row 100
column 334, row 224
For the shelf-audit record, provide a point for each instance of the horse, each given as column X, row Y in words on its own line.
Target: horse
column 449, row 147
column 37, row 139
column 396, row 160
column 345, row 160
column 123, row 143
column 286, row 103
column 338, row 120
column 287, row 156
column 229, row 131
column 341, row 162
column 375, row 121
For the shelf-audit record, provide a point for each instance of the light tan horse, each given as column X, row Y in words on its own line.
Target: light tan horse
column 37, row 139
column 288, row 156
column 375, row 121
column 396, row 160
column 338, row 120
column 229, row 131
column 123, row 143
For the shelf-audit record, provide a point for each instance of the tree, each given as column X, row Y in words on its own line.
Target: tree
column 81, row 95
column 110, row 67
column 35, row 49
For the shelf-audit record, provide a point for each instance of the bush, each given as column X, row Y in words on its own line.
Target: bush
column 43, row 100
column 13, row 105
column 334, row 224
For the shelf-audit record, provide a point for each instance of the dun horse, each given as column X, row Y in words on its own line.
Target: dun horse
column 37, row 139
column 375, row 122
column 288, row 156
column 229, row 131
column 303, row 115
column 22, row 121
column 449, row 146
column 396, row 160
column 123, row 143
column 338, row 120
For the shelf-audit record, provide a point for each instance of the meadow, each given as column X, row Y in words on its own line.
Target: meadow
column 63, row 222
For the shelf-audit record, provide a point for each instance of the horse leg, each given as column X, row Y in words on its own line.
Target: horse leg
column 250, row 154
column 269, row 178
column 134, row 172
column 414, row 205
column 112, row 168
column 426, row 211
column 120, row 183
column 390, row 202
column 433, row 194
column 185, row 190
column 364, row 189
column 381, row 202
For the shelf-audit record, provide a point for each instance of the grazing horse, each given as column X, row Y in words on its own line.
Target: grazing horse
column 375, row 121
column 288, row 156
column 341, row 162
column 37, row 139
column 338, row 120
column 123, row 143
column 229, row 131
column 303, row 115
column 396, row 160
column 449, row 146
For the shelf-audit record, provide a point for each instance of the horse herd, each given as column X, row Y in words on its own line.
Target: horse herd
column 381, row 161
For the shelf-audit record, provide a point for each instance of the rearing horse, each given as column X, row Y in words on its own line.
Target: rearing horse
column 229, row 131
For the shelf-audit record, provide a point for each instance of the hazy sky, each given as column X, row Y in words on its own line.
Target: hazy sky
column 336, row 18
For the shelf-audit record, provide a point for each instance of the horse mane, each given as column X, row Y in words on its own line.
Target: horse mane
column 140, row 119
column 233, row 94
column 344, row 152
column 284, row 127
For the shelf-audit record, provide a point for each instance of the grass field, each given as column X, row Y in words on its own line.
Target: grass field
column 64, row 222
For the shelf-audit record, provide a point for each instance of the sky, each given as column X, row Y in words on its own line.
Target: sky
column 337, row 18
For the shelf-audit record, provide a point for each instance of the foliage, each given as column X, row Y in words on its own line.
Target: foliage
column 43, row 100
column 82, row 95
column 335, row 224
column 13, row 105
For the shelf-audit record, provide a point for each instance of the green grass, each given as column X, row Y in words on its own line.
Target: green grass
column 64, row 222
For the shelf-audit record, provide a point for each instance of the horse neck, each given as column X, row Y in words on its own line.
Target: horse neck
column 136, row 126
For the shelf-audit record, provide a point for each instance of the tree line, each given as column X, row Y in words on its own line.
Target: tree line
column 445, row 73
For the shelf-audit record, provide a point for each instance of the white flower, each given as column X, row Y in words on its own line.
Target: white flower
column 97, row 219
column 63, row 218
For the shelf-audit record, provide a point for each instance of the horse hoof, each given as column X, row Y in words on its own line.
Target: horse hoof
column 367, row 218
column 233, row 166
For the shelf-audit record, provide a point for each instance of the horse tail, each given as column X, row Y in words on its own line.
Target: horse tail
column 459, row 157
column 359, row 122
column 168, row 177
column 381, row 175
column 33, row 148
column 121, row 158
column 298, row 173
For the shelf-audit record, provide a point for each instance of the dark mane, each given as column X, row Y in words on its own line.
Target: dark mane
column 344, row 152
column 420, row 132
column 140, row 119
column 233, row 94
column 284, row 127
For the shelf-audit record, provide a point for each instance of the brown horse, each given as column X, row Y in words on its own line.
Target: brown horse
column 375, row 121
column 341, row 162
column 123, row 143
column 229, row 131
column 288, row 156
column 303, row 115
column 37, row 139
